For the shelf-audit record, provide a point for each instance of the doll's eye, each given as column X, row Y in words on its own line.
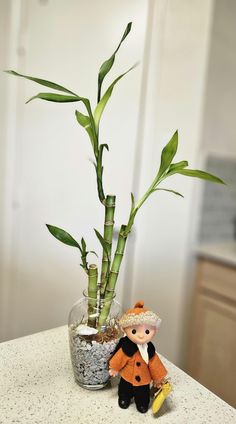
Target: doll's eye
column 133, row 331
column 147, row 331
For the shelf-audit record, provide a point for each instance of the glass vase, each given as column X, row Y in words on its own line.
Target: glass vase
column 92, row 344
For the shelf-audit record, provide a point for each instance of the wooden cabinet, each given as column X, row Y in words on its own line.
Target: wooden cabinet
column 212, row 350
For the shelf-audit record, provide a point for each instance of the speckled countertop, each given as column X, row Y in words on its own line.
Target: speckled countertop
column 37, row 387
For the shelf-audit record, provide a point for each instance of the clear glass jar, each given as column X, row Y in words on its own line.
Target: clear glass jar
column 91, row 347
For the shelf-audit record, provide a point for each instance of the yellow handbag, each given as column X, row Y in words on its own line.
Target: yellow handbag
column 160, row 396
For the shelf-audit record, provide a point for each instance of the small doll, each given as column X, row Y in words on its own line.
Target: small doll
column 135, row 358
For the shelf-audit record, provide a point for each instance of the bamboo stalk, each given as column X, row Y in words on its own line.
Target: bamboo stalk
column 92, row 294
column 100, row 184
column 108, row 234
column 110, row 288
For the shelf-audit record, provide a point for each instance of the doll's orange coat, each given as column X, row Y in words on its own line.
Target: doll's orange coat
column 135, row 370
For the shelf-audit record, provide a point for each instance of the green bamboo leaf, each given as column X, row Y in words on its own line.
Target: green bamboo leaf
column 200, row 174
column 107, row 65
column 84, row 254
column 99, row 170
column 85, row 122
column 104, row 145
column 103, row 242
column 167, row 154
column 132, row 201
column 170, row 191
column 178, row 165
column 63, row 236
column 94, row 253
column 40, row 81
column 59, row 98
column 82, row 119
column 100, row 153
column 83, row 244
column 102, row 103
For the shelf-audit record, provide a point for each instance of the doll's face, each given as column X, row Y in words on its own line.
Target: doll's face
column 140, row 334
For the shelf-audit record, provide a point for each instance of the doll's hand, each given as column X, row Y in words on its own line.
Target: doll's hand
column 158, row 384
column 113, row 373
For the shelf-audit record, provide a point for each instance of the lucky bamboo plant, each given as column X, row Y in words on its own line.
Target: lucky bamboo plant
column 103, row 287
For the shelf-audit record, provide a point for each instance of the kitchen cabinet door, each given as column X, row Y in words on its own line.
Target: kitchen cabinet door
column 213, row 348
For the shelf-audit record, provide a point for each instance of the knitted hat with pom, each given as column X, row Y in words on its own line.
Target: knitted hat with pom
column 139, row 316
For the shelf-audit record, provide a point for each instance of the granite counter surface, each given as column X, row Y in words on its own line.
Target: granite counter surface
column 37, row 387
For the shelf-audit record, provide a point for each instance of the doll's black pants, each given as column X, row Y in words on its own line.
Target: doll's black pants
column 141, row 394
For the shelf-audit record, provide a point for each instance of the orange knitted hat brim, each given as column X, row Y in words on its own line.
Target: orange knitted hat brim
column 139, row 316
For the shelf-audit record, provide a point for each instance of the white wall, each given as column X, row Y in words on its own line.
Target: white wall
column 219, row 129
column 177, row 69
column 53, row 180
column 4, row 48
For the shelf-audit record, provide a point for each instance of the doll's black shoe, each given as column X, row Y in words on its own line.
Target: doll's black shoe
column 142, row 408
column 123, row 403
